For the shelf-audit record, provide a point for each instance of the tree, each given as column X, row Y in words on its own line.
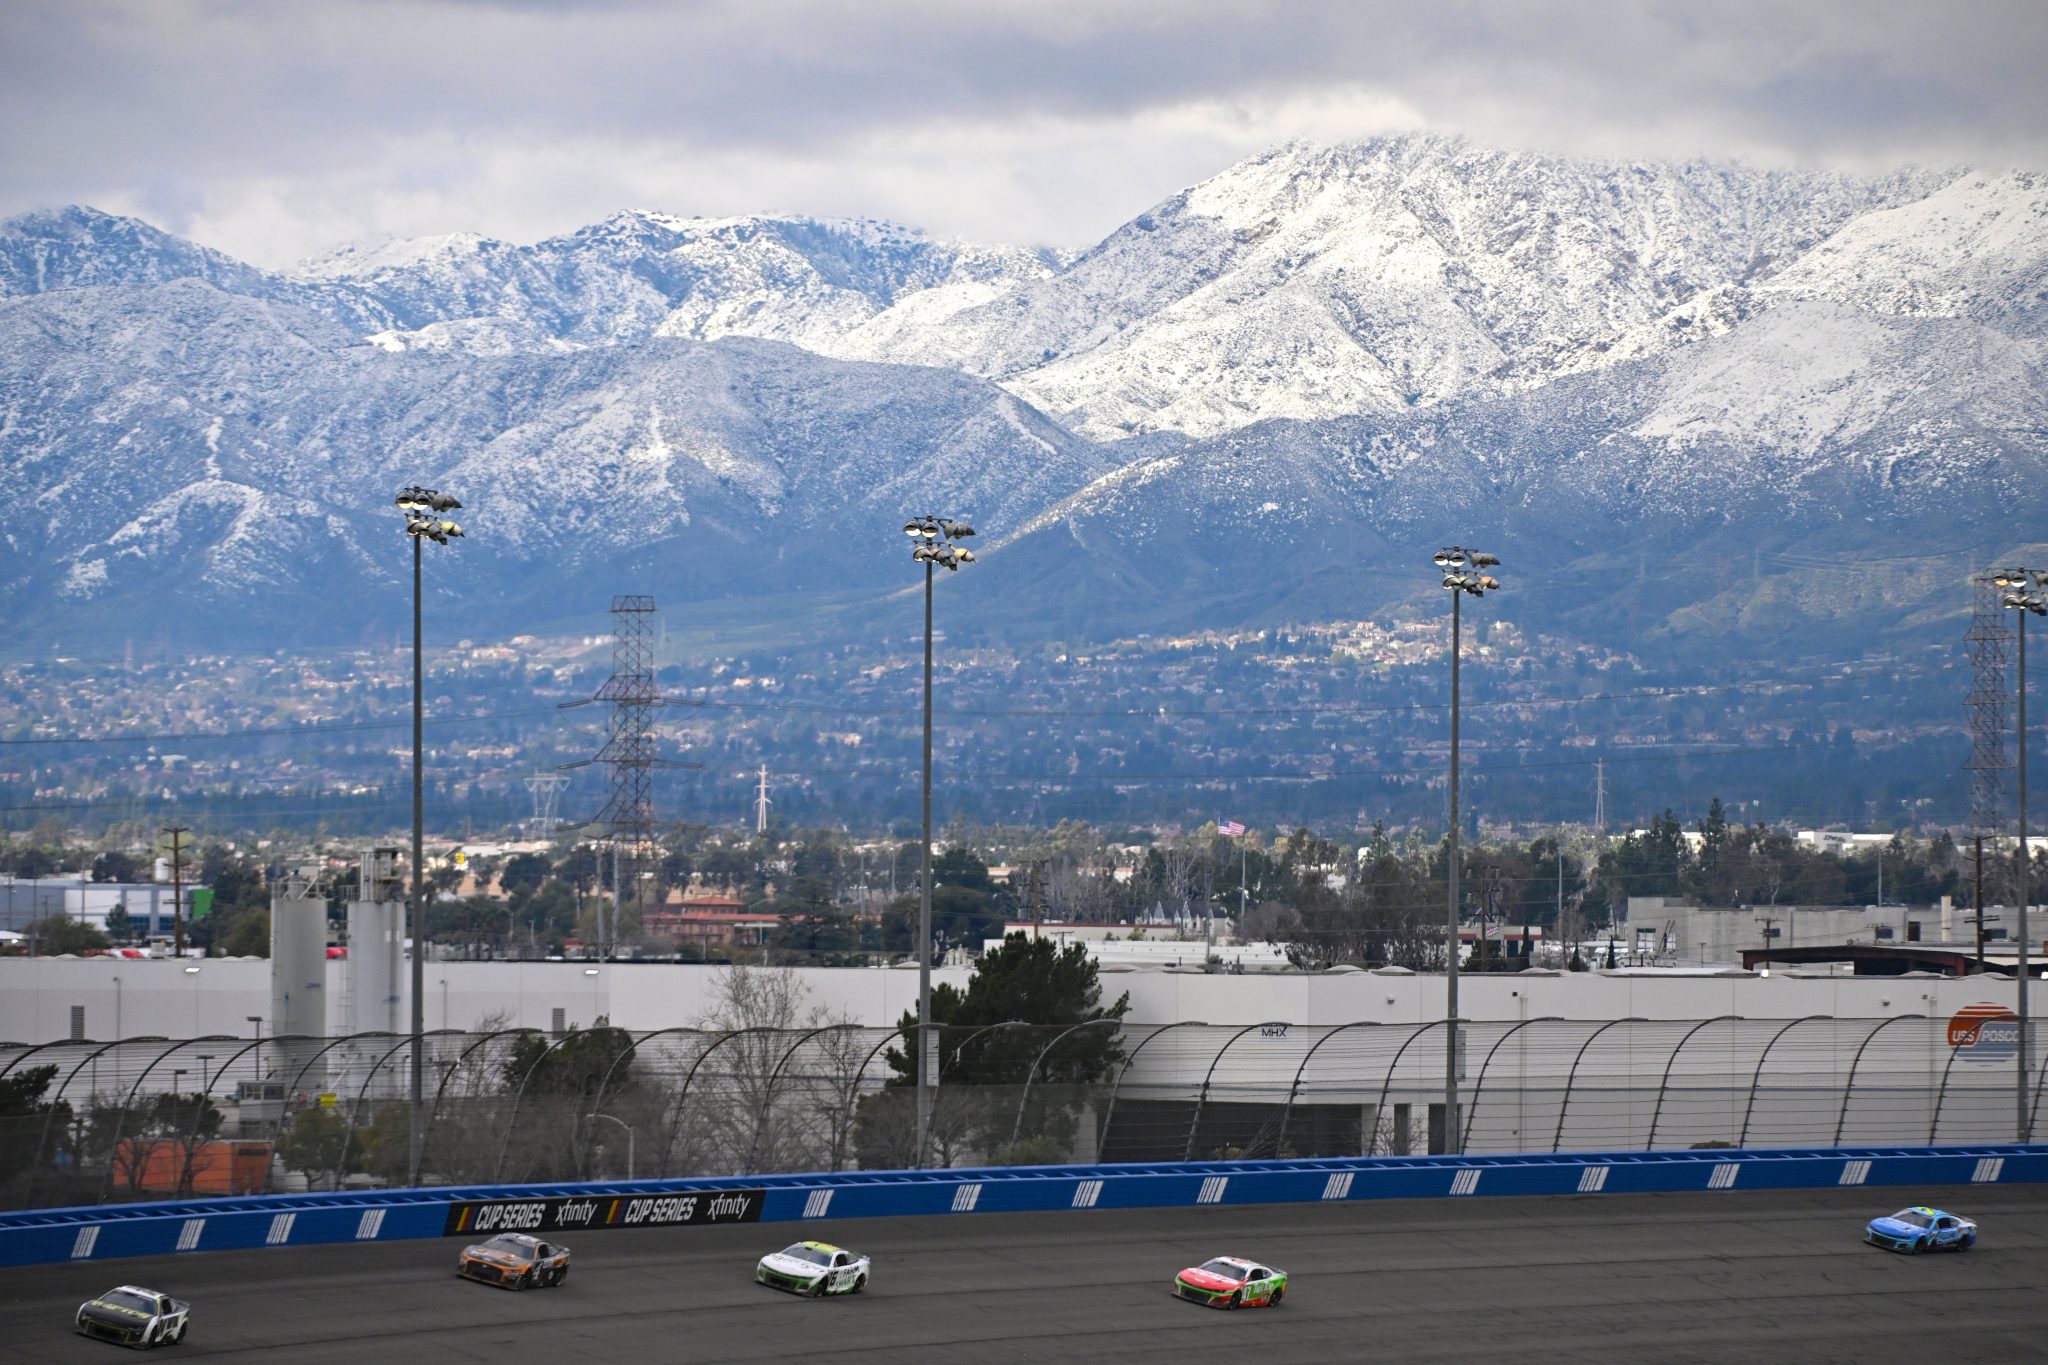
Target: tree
column 961, row 915
column 781, row 1092
column 120, row 925
column 551, row 911
column 250, row 936
column 523, row 870
column 1026, row 980
column 314, row 1142
column 23, row 1116
column 1384, row 911
column 558, row 1082
column 58, row 935
column 116, row 866
column 818, row 936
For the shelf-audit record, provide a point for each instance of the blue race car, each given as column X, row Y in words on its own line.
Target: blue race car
column 1921, row 1229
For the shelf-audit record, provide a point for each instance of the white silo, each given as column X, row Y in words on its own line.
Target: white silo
column 298, row 975
column 376, row 947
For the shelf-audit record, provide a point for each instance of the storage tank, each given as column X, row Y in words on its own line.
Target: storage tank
column 298, row 976
column 376, row 947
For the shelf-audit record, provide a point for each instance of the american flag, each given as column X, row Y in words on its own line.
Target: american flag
column 1229, row 829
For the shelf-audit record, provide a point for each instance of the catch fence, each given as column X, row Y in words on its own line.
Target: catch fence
column 90, row 1123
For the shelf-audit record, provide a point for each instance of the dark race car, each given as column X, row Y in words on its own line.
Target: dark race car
column 134, row 1316
column 515, row 1261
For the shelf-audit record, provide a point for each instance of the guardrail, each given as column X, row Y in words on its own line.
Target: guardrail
column 47, row 1236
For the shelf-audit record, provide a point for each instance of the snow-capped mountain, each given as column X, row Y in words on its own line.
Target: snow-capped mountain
column 1319, row 281
column 1258, row 396
column 177, row 446
column 636, row 275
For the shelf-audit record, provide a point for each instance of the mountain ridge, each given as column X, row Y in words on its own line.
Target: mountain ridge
column 1265, row 389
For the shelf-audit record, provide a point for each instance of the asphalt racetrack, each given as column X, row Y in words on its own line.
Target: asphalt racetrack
column 1704, row 1277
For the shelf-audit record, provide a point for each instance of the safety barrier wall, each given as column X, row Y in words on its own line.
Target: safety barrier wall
column 139, row 1117
column 108, row 1232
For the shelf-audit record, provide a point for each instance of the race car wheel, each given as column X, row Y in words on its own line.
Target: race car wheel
column 818, row 1288
column 1920, row 1244
column 860, row 1282
column 1237, row 1298
column 1278, row 1295
column 561, row 1274
column 180, row 1335
column 525, row 1280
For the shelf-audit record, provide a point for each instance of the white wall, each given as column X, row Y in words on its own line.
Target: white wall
column 160, row 997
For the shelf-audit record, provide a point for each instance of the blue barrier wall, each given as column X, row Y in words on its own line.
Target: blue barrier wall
column 47, row 1236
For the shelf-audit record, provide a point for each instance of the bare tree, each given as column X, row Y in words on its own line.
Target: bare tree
column 755, row 1099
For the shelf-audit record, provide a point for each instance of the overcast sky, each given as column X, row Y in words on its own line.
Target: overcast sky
column 276, row 130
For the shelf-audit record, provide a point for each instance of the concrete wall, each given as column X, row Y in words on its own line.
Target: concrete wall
column 216, row 996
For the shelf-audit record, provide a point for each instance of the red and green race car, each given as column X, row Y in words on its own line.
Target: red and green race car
column 1231, row 1282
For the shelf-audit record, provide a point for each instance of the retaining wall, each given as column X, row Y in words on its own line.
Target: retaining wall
column 570, row 1211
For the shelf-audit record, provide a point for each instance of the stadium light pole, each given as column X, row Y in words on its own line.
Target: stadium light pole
column 2026, row 592
column 423, row 508
column 934, row 548
column 1460, row 568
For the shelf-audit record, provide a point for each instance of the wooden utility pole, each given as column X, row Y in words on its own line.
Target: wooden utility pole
column 1770, row 928
column 177, row 833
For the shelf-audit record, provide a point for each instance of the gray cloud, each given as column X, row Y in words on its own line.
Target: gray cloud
column 275, row 130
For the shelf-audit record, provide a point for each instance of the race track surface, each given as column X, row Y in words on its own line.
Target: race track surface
column 1652, row 1278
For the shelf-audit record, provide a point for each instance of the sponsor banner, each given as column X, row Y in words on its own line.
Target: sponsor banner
column 487, row 1217
column 1984, row 1033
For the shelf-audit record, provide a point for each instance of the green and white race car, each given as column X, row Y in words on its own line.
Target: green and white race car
column 814, row 1268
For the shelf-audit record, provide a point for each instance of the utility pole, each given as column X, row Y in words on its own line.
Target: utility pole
column 611, row 934
column 1599, row 796
column 1980, row 905
column 177, row 833
column 1770, row 924
column 1557, row 918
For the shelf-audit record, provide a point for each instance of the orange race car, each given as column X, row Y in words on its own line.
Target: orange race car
column 516, row 1261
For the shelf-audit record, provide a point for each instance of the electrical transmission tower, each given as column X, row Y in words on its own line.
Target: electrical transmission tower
column 627, row 821
column 547, row 793
column 762, row 803
column 1986, row 705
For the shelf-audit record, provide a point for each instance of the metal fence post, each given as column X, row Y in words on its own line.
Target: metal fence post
column 1664, row 1085
column 1287, row 1114
column 519, row 1100
column 1754, row 1081
column 1130, row 1060
column 121, row 1123
column 348, row 1132
column 1202, row 1098
column 1387, row 1081
column 1017, row 1127
column 448, row 1074
column 1571, row 1078
column 1849, row 1086
column 1479, row 1089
